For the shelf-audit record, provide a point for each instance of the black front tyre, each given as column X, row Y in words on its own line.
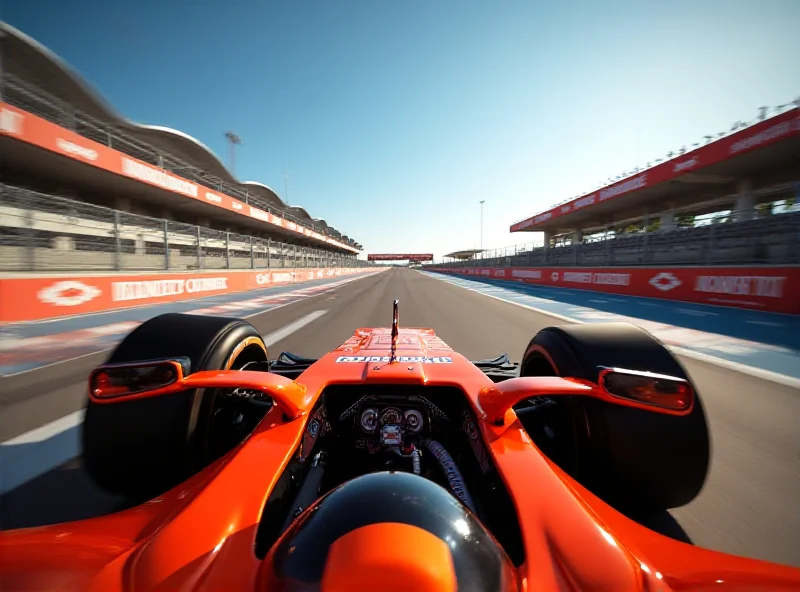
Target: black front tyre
column 630, row 457
column 143, row 447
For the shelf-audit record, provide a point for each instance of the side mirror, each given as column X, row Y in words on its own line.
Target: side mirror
column 124, row 380
column 658, row 393
column 656, row 390
column 117, row 383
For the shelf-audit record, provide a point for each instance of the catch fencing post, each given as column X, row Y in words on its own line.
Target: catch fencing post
column 199, row 250
column 166, row 244
column 117, row 243
column 30, row 251
column 252, row 255
column 227, row 250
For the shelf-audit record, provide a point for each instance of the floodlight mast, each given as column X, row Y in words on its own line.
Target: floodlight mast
column 395, row 330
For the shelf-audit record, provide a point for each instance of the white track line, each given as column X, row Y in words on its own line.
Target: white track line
column 40, row 450
column 767, row 375
column 274, row 337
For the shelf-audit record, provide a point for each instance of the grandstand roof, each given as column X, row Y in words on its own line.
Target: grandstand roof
column 766, row 153
column 464, row 254
column 32, row 62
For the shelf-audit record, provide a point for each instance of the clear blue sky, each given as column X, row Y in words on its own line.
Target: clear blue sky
column 395, row 118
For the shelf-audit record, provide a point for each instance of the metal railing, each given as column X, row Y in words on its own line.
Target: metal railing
column 41, row 232
column 755, row 237
column 39, row 102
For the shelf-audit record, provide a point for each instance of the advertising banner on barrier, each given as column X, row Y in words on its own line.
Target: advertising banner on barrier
column 20, row 124
column 400, row 257
column 31, row 299
column 774, row 129
column 772, row 289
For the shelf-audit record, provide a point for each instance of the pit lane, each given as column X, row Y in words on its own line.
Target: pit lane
column 748, row 507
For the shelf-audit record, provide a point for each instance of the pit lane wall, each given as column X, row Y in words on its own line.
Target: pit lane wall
column 47, row 297
column 771, row 289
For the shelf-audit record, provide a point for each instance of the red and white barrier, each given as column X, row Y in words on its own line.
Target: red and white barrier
column 772, row 289
column 37, row 298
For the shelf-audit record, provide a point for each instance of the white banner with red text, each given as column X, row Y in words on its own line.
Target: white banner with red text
column 38, row 298
column 771, row 289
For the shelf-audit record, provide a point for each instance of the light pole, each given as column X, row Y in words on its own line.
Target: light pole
column 482, row 224
column 233, row 140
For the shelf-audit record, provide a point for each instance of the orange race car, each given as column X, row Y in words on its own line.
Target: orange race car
column 392, row 463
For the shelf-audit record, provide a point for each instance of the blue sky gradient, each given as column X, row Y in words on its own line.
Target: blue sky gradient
column 395, row 118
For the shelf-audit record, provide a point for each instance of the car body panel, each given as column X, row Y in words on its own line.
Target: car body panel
column 201, row 534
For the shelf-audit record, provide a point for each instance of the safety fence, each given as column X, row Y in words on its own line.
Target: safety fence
column 47, row 233
column 763, row 239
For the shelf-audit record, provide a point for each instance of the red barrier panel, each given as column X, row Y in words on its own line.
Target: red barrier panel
column 773, row 289
column 19, row 124
column 31, row 299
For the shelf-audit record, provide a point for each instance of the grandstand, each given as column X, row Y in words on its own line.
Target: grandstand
column 729, row 201
column 83, row 188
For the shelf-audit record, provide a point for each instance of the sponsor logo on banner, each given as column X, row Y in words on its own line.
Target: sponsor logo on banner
column 501, row 273
column 486, row 272
column 565, row 209
column 578, row 277
column 686, row 164
column 213, row 198
column 554, row 276
column 401, row 359
column 542, row 218
column 768, row 135
column 143, row 290
column 237, row 205
column 611, row 279
column 262, row 278
column 630, row 185
column 282, row 277
column 258, row 214
column 733, row 285
column 11, row 122
column 71, row 148
column 526, row 273
column 664, row 281
column 601, row 279
column 143, row 172
column 585, row 201
column 68, row 293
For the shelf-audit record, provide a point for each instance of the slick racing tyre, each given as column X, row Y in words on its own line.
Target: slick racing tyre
column 144, row 447
column 630, row 457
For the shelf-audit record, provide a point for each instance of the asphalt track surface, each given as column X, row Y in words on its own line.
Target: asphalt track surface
column 750, row 505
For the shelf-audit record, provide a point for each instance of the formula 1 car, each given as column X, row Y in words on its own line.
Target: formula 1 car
column 391, row 463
